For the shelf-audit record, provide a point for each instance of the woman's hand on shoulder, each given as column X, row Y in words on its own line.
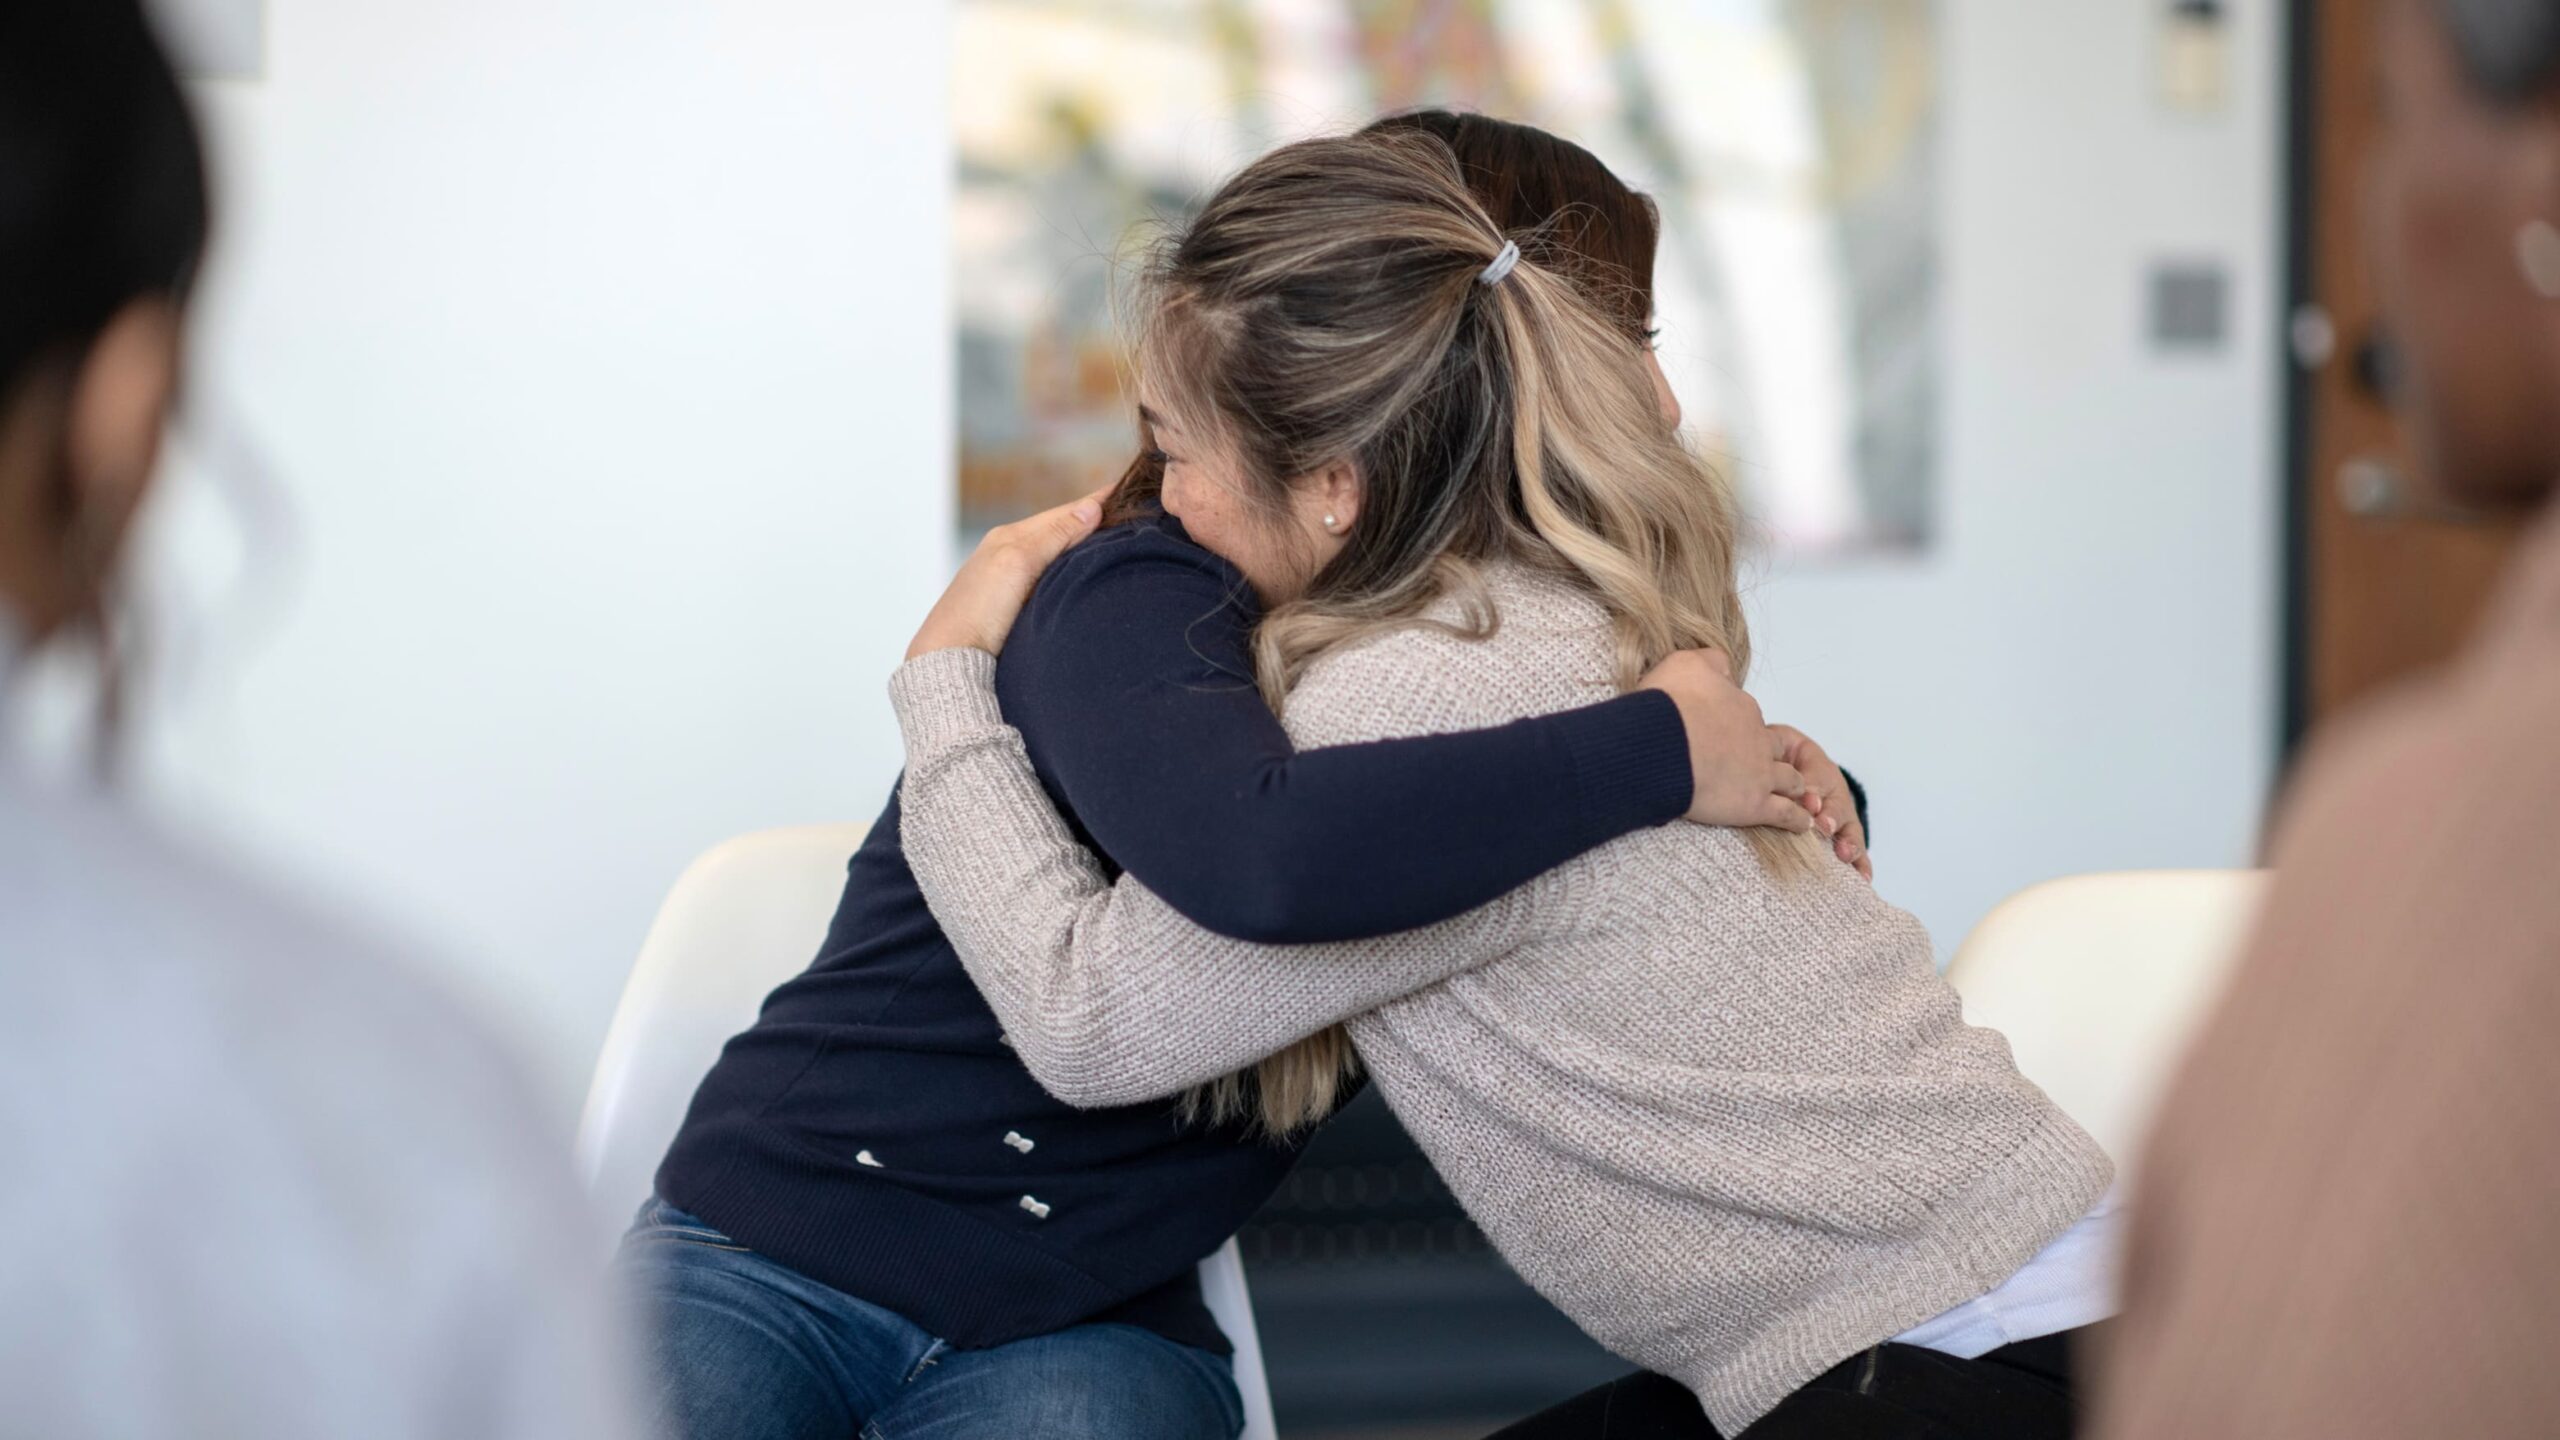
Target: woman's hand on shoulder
column 1827, row 796
column 1737, row 765
column 978, row 608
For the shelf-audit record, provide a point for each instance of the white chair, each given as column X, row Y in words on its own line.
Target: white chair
column 2099, row 980
column 742, row 919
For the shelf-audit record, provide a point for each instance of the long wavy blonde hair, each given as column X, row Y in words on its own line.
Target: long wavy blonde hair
column 1327, row 304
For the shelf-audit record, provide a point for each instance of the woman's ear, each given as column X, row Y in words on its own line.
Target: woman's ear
column 1333, row 496
column 120, row 402
column 78, row 443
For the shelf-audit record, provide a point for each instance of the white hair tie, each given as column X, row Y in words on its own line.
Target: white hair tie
column 1500, row 269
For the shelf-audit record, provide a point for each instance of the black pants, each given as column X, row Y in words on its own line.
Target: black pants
column 1892, row 1392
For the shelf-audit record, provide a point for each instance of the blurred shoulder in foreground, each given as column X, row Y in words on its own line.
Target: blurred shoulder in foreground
column 2347, row 1225
column 261, row 1180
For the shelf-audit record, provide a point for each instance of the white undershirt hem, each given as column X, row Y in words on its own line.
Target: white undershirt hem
column 2069, row 1283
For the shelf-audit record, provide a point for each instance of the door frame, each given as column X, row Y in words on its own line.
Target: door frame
column 2301, row 97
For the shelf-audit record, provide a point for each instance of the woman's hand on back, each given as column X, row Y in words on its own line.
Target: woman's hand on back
column 1828, row 797
column 1737, row 764
column 978, row 608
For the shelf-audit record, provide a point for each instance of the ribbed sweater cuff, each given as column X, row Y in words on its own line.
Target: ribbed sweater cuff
column 1631, row 764
column 945, row 698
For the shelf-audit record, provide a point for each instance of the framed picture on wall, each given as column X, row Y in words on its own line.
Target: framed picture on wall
column 1791, row 146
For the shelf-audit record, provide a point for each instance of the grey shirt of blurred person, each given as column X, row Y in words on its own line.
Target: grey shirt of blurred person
column 259, row 1179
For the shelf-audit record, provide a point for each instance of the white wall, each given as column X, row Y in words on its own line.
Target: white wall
column 2082, row 673
column 602, row 352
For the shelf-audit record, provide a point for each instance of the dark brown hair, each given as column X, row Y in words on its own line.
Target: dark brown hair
column 1569, row 211
column 102, row 183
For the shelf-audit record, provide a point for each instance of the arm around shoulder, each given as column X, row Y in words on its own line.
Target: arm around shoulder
column 1109, row 995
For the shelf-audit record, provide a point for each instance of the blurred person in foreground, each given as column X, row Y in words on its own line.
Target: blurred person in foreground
column 255, row 1180
column 2348, row 1223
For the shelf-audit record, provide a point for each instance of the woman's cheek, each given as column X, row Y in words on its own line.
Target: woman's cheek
column 1196, row 506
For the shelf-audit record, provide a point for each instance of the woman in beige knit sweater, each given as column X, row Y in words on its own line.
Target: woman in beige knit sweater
column 1702, row 1087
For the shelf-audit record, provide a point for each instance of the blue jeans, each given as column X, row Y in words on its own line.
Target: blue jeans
column 742, row 1348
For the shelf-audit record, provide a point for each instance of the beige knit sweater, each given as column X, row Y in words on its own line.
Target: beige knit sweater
column 1735, row 1126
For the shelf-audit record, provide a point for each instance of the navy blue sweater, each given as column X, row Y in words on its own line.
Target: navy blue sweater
column 858, row 1132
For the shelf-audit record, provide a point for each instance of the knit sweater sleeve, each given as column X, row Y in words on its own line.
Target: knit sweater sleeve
column 1108, row 994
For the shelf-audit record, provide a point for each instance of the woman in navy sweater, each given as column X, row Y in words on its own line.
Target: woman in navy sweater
column 875, row 1221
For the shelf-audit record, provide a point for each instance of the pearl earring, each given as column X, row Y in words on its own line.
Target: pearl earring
column 2538, row 256
column 1331, row 524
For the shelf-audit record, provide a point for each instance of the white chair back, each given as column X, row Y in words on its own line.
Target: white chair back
column 742, row 919
column 2099, row 980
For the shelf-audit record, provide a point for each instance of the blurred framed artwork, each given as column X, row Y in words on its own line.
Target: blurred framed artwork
column 1791, row 145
